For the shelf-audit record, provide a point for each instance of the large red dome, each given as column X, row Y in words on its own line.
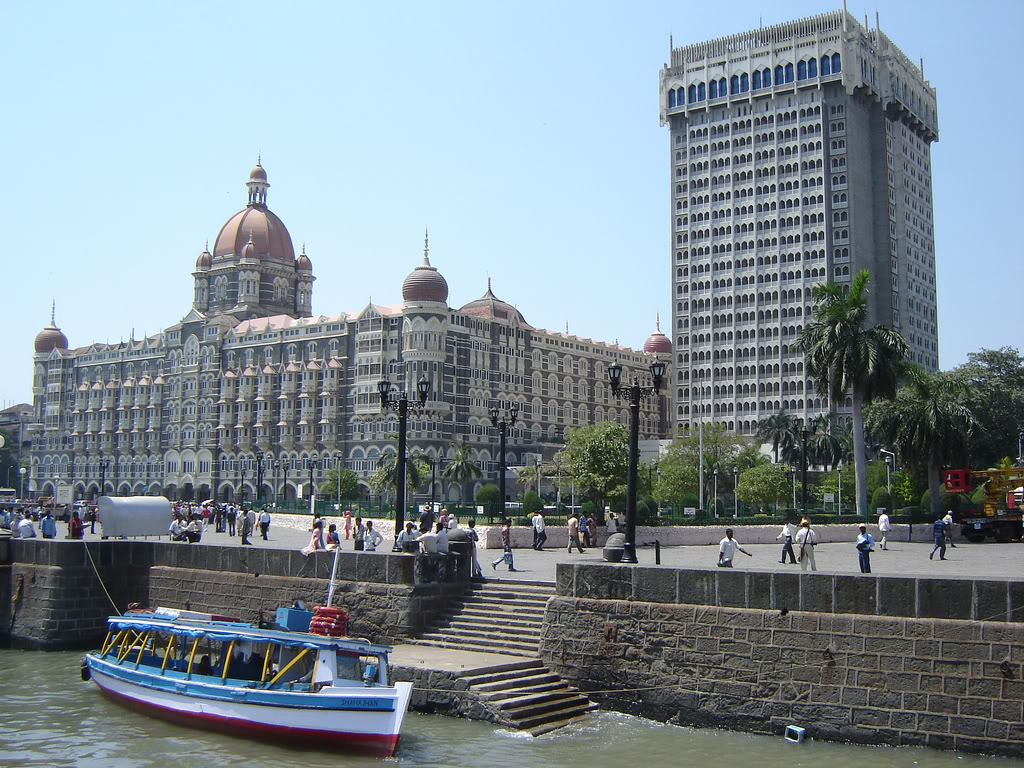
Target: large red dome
column 49, row 339
column 658, row 343
column 269, row 235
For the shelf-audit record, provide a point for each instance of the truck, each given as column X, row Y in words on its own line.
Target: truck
column 1001, row 517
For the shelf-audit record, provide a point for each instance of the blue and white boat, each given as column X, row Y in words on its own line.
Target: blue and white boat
column 205, row 671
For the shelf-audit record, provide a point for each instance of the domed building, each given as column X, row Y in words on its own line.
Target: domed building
column 251, row 389
column 658, row 343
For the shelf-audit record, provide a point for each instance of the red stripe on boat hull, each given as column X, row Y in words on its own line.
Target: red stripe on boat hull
column 381, row 745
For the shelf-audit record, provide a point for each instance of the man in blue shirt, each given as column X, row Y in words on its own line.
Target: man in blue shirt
column 939, row 529
column 865, row 542
column 49, row 526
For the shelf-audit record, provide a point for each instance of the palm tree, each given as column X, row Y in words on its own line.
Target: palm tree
column 385, row 478
column 929, row 422
column 843, row 355
column 824, row 446
column 779, row 429
column 460, row 468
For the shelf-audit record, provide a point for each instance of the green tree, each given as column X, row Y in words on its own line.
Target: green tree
column 881, row 498
column 829, row 483
column 598, row 459
column 680, row 466
column 845, row 355
column 460, row 468
column 9, row 467
column 904, row 489
column 385, row 478
column 488, row 495
column 929, row 422
column 328, row 487
column 994, row 379
column 780, row 430
column 531, row 503
column 764, row 484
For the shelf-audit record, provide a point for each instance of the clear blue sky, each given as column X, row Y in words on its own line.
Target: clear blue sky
column 525, row 135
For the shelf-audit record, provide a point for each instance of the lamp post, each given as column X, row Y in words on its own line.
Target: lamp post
column 339, row 462
column 400, row 404
column 241, row 487
column 716, row 490
column 803, row 459
column 792, row 474
column 21, row 488
column 1020, row 448
column 634, row 393
column 277, row 480
column 259, row 476
column 890, row 459
column 503, row 424
column 312, row 487
column 735, row 491
column 103, row 475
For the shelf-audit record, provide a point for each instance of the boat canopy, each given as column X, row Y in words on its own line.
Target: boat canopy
column 228, row 631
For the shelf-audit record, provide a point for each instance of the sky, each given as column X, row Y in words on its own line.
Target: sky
column 525, row 136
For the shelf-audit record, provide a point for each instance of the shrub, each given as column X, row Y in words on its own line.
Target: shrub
column 487, row 495
column 588, row 508
column 881, row 498
column 531, row 503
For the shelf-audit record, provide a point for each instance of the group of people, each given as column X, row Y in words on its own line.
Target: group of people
column 365, row 538
column 21, row 523
column 581, row 530
column 189, row 521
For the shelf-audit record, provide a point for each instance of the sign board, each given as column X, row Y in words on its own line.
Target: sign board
column 830, row 498
column 690, row 511
column 480, row 509
column 65, row 495
column 881, row 510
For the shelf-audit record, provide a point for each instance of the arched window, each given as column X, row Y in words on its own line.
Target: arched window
column 826, row 68
column 836, row 64
column 701, row 92
column 744, row 82
column 812, row 68
column 722, row 87
column 779, row 77
column 692, row 94
column 734, row 84
column 801, row 70
column 757, row 79
column 713, row 90
column 671, row 99
column 789, row 73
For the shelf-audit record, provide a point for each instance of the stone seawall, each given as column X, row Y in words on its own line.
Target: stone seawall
column 850, row 658
column 50, row 596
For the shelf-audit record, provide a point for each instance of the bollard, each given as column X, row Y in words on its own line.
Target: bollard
column 657, row 552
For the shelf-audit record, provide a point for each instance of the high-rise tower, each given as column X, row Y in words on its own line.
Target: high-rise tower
column 800, row 153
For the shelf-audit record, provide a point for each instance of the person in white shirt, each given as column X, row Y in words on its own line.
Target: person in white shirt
column 442, row 539
column 264, row 522
column 865, row 543
column 175, row 530
column 405, row 537
column 948, row 520
column 610, row 517
column 453, row 522
column 428, row 542
column 727, row 549
column 884, row 526
column 25, row 528
column 539, row 536
column 806, row 539
column 787, row 535
column 372, row 537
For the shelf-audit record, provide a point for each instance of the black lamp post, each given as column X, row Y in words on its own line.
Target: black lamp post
column 259, row 476
column 803, row 459
column 312, row 477
column 277, row 479
column 241, row 487
column 735, row 491
column 103, row 475
column 399, row 402
column 635, row 395
column 503, row 423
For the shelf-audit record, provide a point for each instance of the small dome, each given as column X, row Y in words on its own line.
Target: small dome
column 491, row 307
column 425, row 283
column 205, row 260
column 658, row 343
column 258, row 174
column 49, row 339
column 303, row 264
column 249, row 252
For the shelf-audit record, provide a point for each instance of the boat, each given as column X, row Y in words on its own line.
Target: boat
column 314, row 689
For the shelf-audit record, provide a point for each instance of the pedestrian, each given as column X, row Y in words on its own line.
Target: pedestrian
column 865, row 542
column 612, row 524
column 727, row 549
column 506, row 544
column 348, row 523
column 442, row 539
column 264, row 522
column 444, row 517
column 573, row 530
column 884, row 526
column 427, row 519
column 592, row 527
column 93, row 514
column 806, row 541
column 539, row 536
column 939, row 530
column 232, row 516
column 246, row 528
column 584, row 531
column 358, row 535
column 315, row 540
column 49, row 526
column 475, row 571
column 25, row 528
column 787, row 534
column 372, row 537
column 333, row 540
column 76, row 528
column 948, row 520
column 453, row 522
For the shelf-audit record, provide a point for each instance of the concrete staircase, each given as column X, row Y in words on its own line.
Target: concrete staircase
column 506, row 617
column 495, row 616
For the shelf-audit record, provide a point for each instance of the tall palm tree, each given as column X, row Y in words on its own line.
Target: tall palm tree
column 779, row 429
column 929, row 422
column 824, row 446
column 385, row 478
column 844, row 355
column 460, row 468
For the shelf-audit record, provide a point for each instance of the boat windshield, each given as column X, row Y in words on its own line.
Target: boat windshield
column 360, row 669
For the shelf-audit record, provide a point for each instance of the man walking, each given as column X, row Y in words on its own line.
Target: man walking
column 806, row 540
column 884, row 526
column 787, row 534
column 939, row 530
column 727, row 549
column 574, row 533
column 506, row 545
column 264, row 522
column 232, row 516
column 539, row 536
column 865, row 541
column 948, row 520
column 49, row 526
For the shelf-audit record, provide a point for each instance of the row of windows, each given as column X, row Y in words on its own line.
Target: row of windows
column 762, row 78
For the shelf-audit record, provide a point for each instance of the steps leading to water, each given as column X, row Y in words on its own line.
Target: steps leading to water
column 506, row 617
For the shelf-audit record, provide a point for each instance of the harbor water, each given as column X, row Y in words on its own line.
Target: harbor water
column 49, row 717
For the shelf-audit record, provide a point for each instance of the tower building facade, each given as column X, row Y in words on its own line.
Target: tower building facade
column 799, row 154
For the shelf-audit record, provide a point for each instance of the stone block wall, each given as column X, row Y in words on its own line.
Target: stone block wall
column 673, row 644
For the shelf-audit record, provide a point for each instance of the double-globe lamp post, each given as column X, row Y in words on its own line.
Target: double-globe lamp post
column 635, row 394
column 503, row 424
column 399, row 402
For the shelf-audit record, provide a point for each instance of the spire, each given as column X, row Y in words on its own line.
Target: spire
column 53, row 313
column 426, row 247
column 657, row 322
column 566, row 327
column 259, row 159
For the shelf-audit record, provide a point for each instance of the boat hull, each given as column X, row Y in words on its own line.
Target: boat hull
column 311, row 721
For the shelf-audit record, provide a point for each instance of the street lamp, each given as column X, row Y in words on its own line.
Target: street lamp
column 259, row 476
column 716, row 490
column 503, row 424
column 890, row 458
column 735, row 491
column 803, row 458
column 277, row 480
column 339, row 462
column 400, row 403
column 312, row 487
column 792, row 474
column 634, row 393
column 241, row 487
column 103, row 475
column 21, row 490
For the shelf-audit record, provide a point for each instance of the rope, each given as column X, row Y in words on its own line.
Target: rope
column 100, row 578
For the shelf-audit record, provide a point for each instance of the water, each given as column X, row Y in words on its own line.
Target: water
column 49, row 717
